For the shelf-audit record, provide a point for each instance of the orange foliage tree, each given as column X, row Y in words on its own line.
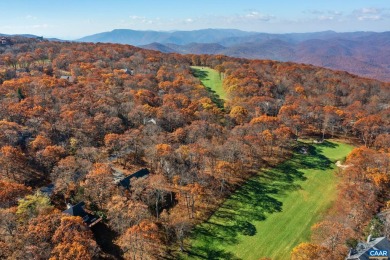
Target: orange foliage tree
column 141, row 241
column 73, row 240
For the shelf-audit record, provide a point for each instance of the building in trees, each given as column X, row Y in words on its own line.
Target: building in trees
column 128, row 71
column 5, row 41
column 48, row 190
column 79, row 211
column 125, row 182
column 361, row 252
column 71, row 79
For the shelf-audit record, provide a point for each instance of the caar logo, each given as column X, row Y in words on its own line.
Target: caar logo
column 378, row 254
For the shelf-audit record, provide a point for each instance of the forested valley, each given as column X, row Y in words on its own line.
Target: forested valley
column 74, row 117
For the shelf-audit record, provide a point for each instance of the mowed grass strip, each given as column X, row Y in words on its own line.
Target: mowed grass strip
column 211, row 79
column 274, row 211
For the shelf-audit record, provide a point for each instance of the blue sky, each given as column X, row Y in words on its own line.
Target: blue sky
column 72, row 19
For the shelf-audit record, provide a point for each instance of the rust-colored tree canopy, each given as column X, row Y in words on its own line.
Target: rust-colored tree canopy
column 77, row 118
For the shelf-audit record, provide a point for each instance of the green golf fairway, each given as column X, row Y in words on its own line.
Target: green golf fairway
column 211, row 79
column 273, row 212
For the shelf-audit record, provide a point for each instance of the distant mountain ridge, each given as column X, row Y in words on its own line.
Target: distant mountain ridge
column 363, row 53
column 137, row 38
column 225, row 37
column 30, row 36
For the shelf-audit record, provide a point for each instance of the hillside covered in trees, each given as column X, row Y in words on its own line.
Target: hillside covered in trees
column 75, row 117
column 355, row 52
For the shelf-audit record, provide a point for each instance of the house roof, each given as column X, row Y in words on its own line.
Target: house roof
column 78, row 211
column 5, row 41
column 362, row 249
column 125, row 182
column 128, row 71
column 68, row 78
column 48, row 190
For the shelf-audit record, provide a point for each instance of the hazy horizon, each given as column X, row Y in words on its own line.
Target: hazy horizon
column 170, row 31
column 74, row 19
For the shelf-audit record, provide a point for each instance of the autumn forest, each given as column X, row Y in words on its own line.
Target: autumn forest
column 77, row 117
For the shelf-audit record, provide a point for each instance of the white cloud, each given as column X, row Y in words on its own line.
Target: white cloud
column 30, row 17
column 323, row 12
column 369, row 17
column 369, row 10
column 371, row 14
column 252, row 14
column 335, row 13
column 331, row 15
column 255, row 15
column 326, row 18
column 362, row 14
column 325, row 15
column 134, row 19
column 313, row 11
column 249, row 17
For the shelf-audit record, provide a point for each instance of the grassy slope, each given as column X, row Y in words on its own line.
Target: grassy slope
column 210, row 79
column 272, row 212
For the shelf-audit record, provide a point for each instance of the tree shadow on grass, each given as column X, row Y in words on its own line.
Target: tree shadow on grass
column 212, row 254
column 247, row 228
column 203, row 76
column 252, row 202
column 200, row 74
column 216, row 99
column 327, row 144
